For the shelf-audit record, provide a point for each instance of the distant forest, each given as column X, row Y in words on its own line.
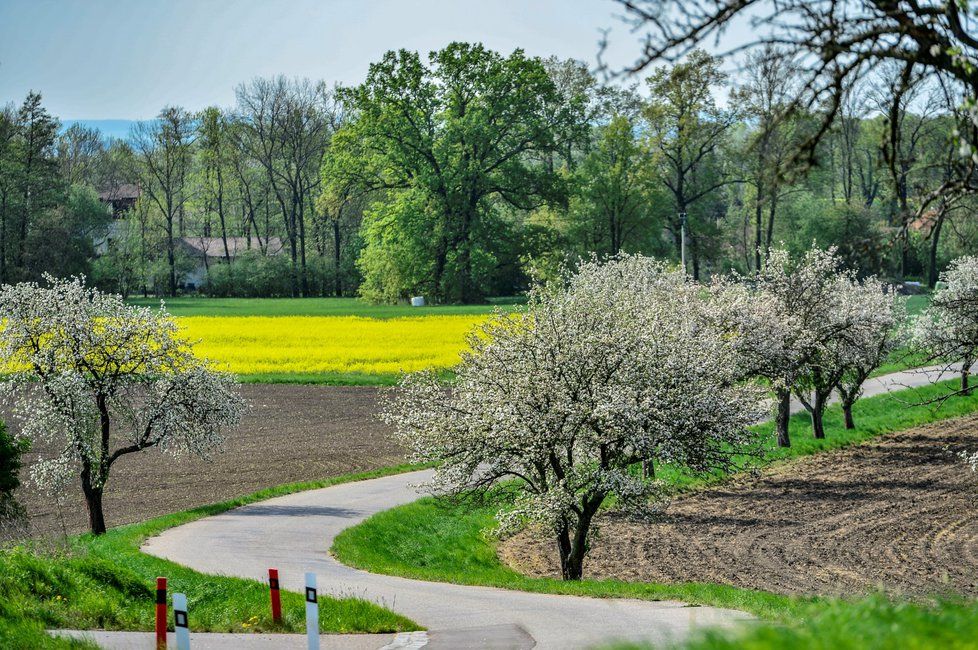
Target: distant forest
column 466, row 173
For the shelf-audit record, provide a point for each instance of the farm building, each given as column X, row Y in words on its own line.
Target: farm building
column 205, row 251
column 122, row 198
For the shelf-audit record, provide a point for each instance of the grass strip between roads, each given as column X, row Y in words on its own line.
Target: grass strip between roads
column 446, row 541
column 106, row 583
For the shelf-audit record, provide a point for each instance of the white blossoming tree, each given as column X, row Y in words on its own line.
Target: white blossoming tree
column 859, row 329
column 101, row 379
column 878, row 333
column 948, row 328
column 563, row 401
column 782, row 320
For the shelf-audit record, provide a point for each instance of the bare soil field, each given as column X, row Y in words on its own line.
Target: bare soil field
column 291, row 433
column 899, row 515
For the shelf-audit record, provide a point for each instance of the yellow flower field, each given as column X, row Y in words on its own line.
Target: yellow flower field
column 328, row 344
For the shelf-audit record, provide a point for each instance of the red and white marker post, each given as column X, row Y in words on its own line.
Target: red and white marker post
column 274, row 594
column 161, row 614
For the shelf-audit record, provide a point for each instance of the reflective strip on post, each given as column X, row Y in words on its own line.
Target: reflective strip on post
column 275, row 596
column 180, row 624
column 161, row 614
column 312, row 612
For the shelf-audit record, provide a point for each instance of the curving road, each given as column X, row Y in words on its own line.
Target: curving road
column 294, row 533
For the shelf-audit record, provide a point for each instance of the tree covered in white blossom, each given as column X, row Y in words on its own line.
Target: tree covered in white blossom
column 862, row 317
column 784, row 322
column 948, row 328
column 878, row 333
column 616, row 364
column 98, row 379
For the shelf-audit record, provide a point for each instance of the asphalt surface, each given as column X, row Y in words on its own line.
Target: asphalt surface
column 293, row 533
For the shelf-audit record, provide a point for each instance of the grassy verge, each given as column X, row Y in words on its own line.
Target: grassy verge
column 874, row 622
column 106, row 583
column 199, row 306
column 445, row 541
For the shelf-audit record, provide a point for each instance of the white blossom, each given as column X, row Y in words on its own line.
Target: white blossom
column 948, row 328
column 618, row 364
column 801, row 324
column 99, row 379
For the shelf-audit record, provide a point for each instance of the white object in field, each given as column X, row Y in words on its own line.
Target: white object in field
column 312, row 612
column 417, row 301
column 180, row 624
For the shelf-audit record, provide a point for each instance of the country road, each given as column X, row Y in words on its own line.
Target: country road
column 295, row 532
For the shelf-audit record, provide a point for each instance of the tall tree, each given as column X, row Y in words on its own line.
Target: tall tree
column 285, row 126
column 452, row 138
column 765, row 99
column 80, row 150
column 686, row 129
column 213, row 143
column 162, row 147
column 8, row 189
column 39, row 185
column 614, row 178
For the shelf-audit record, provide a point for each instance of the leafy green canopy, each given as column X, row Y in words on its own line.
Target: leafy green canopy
column 446, row 146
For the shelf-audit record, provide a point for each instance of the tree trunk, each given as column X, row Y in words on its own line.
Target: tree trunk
column 170, row 257
column 93, row 499
column 573, row 548
column 758, row 228
column 817, row 413
column 818, row 428
column 304, row 277
column 338, row 279
column 564, row 549
column 965, row 374
column 847, row 412
column 935, row 236
column 784, row 413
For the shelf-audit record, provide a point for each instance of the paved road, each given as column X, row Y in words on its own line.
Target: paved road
column 295, row 532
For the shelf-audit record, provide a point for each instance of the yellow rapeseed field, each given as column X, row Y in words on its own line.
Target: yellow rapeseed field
column 328, row 344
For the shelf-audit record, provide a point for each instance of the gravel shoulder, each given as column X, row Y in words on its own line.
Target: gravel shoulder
column 897, row 514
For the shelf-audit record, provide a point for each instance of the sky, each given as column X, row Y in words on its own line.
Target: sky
column 126, row 59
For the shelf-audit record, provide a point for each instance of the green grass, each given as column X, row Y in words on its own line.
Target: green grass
column 905, row 358
column 867, row 624
column 446, row 541
column 196, row 306
column 106, row 583
column 331, row 378
column 917, row 304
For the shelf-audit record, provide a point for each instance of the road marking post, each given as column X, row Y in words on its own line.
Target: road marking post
column 180, row 624
column 161, row 613
column 276, row 598
column 312, row 612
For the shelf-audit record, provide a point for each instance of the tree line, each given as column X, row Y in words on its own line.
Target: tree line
column 467, row 173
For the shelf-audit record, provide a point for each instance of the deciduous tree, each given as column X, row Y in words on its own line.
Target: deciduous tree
column 618, row 364
column 453, row 137
column 99, row 379
column 948, row 328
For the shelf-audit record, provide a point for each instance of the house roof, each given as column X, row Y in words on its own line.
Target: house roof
column 214, row 246
column 120, row 192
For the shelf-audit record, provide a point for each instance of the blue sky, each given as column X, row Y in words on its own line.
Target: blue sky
column 128, row 58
